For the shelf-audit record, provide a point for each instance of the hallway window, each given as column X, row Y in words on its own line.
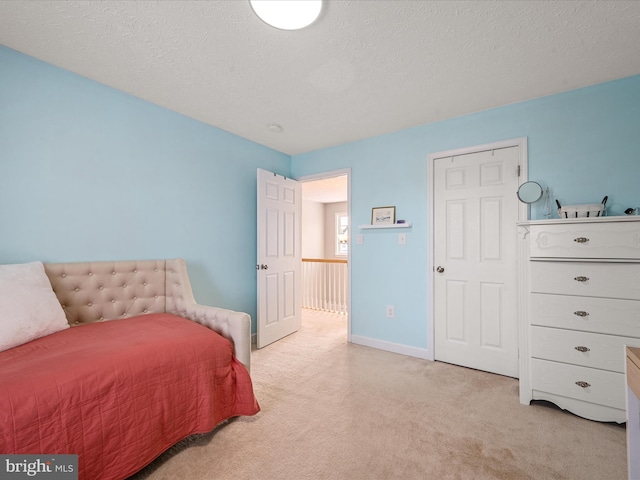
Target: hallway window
column 342, row 234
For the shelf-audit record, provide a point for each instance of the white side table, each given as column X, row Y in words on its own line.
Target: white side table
column 633, row 412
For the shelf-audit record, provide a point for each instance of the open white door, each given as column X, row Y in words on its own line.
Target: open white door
column 279, row 265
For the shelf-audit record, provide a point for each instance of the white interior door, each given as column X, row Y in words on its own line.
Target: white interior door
column 279, row 265
column 475, row 258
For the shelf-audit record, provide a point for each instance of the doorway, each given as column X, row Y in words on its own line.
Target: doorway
column 473, row 261
column 326, row 247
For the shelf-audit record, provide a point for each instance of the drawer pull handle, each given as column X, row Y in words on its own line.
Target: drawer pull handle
column 581, row 240
column 582, row 349
column 581, row 313
column 581, row 279
column 583, row 384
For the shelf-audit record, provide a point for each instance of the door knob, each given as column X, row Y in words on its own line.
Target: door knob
column 262, row 266
column 440, row 269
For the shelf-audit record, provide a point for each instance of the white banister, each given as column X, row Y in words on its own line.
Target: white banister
column 324, row 284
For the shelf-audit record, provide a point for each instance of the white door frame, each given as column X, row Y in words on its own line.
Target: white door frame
column 523, row 213
column 330, row 174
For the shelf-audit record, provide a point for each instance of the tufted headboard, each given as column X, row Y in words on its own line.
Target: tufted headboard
column 98, row 291
column 95, row 291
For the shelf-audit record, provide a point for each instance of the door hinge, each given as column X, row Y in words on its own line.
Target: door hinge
column 518, row 170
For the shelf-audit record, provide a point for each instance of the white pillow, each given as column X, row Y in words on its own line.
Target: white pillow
column 29, row 308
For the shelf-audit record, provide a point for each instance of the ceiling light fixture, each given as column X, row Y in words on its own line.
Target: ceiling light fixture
column 287, row 14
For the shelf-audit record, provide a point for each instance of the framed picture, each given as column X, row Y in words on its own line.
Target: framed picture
column 383, row 215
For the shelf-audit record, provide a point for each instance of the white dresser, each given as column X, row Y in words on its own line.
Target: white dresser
column 579, row 306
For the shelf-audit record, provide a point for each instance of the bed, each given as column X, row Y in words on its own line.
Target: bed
column 142, row 367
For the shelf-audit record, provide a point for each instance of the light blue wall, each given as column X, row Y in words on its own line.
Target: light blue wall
column 583, row 144
column 90, row 173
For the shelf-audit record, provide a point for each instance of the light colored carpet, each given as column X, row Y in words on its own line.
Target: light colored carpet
column 333, row 410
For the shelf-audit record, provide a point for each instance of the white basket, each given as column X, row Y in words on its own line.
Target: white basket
column 582, row 211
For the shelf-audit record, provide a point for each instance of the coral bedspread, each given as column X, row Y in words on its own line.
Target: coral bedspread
column 119, row 393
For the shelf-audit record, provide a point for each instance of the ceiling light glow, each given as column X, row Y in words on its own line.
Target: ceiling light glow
column 287, row 14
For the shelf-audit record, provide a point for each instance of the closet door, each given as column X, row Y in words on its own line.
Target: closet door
column 476, row 211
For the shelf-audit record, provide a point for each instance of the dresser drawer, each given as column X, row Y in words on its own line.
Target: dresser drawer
column 599, row 315
column 586, row 240
column 606, row 352
column 601, row 387
column 611, row 280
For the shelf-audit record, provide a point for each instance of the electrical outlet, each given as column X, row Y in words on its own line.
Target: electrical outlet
column 390, row 311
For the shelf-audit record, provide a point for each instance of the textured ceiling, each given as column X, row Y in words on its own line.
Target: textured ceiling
column 364, row 68
column 326, row 190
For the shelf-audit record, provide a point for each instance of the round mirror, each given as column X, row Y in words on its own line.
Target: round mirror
column 529, row 192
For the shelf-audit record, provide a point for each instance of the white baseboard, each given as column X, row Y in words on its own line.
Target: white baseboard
column 391, row 347
column 380, row 345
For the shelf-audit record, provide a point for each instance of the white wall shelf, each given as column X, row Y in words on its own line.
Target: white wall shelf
column 379, row 227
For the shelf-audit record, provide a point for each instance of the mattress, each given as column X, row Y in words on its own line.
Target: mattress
column 119, row 393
